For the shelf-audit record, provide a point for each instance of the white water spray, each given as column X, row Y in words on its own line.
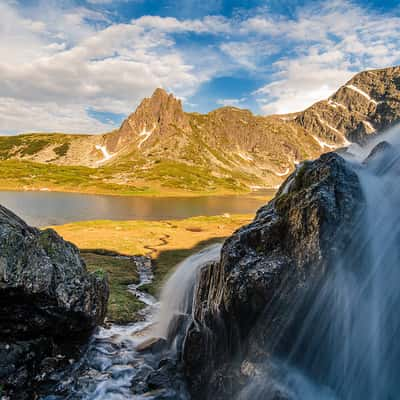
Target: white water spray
column 177, row 294
column 347, row 346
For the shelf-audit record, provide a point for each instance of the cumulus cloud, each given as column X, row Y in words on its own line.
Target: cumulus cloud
column 56, row 62
column 303, row 81
column 328, row 45
column 25, row 116
column 109, row 69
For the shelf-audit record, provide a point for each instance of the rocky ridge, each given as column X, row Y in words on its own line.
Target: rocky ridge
column 159, row 140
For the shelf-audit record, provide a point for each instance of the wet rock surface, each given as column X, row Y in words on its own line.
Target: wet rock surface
column 124, row 361
column 269, row 269
column 49, row 305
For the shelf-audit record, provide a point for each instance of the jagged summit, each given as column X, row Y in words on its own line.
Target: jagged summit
column 152, row 119
column 227, row 146
column 161, row 108
column 366, row 104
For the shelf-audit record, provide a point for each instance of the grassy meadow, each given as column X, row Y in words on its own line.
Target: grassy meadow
column 166, row 178
column 166, row 242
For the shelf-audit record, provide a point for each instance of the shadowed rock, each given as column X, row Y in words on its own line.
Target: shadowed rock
column 269, row 268
column 49, row 303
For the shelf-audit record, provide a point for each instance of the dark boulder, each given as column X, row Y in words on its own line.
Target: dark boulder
column 269, row 269
column 49, row 304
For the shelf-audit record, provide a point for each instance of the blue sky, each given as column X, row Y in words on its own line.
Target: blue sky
column 83, row 65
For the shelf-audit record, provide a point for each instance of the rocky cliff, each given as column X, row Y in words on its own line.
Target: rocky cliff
column 251, row 305
column 367, row 104
column 49, row 305
column 228, row 147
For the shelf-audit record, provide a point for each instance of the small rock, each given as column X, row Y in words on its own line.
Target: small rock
column 153, row 345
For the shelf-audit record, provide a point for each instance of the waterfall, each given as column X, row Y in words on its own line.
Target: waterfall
column 113, row 360
column 347, row 345
column 177, row 294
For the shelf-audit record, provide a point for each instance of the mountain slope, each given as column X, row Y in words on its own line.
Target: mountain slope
column 159, row 145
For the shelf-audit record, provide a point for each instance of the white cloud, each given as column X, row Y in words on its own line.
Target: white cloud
column 110, row 69
column 231, row 102
column 57, row 62
column 25, row 116
column 209, row 24
column 333, row 42
column 249, row 53
column 303, row 81
column 111, row 1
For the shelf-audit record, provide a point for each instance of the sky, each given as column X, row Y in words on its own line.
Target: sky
column 81, row 66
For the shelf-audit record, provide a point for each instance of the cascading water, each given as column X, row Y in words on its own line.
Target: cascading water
column 177, row 294
column 347, row 345
column 112, row 361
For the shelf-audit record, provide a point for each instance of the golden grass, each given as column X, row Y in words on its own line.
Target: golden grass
column 166, row 242
column 149, row 237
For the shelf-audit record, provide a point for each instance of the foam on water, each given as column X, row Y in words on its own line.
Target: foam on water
column 177, row 294
column 111, row 361
column 347, row 346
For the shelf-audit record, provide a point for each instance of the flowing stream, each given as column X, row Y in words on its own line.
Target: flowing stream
column 112, row 360
column 346, row 347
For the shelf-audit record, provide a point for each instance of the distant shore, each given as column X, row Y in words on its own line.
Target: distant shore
column 162, row 192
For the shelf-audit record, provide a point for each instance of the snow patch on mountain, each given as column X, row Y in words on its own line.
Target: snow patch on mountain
column 359, row 91
column 145, row 134
column 106, row 155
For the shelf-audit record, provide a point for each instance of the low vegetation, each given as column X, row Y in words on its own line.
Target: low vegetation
column 167, row 178
column 26, row 175
column 61, row 150
column 30, row 144
column 166, row 242
column 121, row 272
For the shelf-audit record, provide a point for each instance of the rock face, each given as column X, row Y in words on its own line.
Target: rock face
column 250, row 304
column 156, row 118
column 368, row 103
column 49, row 304
column 228, row 147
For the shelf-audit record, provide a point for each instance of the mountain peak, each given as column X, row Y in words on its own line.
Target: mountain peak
column 159, row 101
column 160, row 93
column 158, row 115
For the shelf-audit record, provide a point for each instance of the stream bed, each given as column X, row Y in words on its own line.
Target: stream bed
column 114, row 365
column 111, row 360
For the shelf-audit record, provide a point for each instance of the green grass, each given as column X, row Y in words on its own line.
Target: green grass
column 34, row 146
column 30, row 144
column 166, row 242
column 122, row 305
column 26, row 175
column 62, row 150
column 189, row 177
column 165, row 178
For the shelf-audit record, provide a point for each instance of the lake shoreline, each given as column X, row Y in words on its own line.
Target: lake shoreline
column 151, row 193
column 44, row 208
